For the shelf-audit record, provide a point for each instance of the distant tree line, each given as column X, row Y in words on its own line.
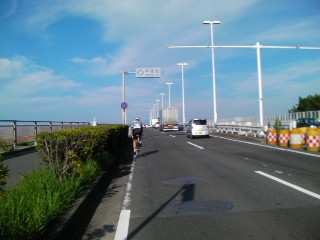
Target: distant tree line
column 309, row 103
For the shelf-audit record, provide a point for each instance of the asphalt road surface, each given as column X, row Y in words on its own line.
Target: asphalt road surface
column 217, row 188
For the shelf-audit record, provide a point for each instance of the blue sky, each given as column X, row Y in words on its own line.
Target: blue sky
column 62, row 60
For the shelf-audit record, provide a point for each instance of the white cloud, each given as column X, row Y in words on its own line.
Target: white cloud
column 23, row 76
column 9, row 67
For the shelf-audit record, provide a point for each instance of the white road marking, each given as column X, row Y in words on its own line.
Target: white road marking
column 268, row 146
column 123, row 225
column 195, row 145
column 312, row 194
column 172, row 136
column 124, row 219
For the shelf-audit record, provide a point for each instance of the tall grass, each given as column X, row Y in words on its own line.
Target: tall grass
column 40, row 196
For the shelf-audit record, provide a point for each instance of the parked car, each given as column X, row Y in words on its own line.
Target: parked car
column 197, row 128
column 307, row 122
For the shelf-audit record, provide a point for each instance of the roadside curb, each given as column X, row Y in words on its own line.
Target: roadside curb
column 73, row 224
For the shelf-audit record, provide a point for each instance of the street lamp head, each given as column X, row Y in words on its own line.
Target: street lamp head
column 211, row 22
column 169, row 83
column 162, row 94
column 182, row 64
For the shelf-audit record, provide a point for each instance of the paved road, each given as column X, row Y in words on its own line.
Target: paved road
column 216, row 188
column 21, row 164
column 211, row 188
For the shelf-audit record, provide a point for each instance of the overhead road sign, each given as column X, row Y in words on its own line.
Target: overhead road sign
column 152, row 72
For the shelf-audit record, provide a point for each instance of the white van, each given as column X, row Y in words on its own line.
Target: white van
column 197, row 128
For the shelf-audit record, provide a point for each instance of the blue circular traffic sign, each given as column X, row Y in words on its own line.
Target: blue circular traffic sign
column 124, row 105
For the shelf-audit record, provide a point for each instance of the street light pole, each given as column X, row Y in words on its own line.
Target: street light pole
column 183, row 106
column 162, row 94
column 213, row 70
column 157, row 113
column 169, row 83
column 258, row 46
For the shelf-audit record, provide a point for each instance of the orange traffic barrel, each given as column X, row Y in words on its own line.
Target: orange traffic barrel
column 312, row 140
column 271, row 136
column 318, row 137
column 283, row 137
column 295, row 138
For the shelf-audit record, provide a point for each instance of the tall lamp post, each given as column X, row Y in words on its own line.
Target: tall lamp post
column 150, row 117
column 169, row 84
column 157, row 113
column 213, row 70
column 162, row 94
column 182, row 78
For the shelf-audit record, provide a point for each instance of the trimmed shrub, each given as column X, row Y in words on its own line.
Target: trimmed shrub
column 3, row 173
column 38, row 198
column 64, row 150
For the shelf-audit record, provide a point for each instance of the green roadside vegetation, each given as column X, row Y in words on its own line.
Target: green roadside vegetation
column 72, row 160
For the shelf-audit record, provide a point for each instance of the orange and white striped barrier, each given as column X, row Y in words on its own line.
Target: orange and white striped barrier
column 295, row 138
column 283, row 138
column 271, row 136
column 312, row 140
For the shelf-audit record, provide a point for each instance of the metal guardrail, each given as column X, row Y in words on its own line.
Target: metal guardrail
column 250, row 125
column 255, row 131
column 272, row 117
column 16, row 132
column 250, row 129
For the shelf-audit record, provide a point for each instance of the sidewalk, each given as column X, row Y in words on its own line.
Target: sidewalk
column 20, row 162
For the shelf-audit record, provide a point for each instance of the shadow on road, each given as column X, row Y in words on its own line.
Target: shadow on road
column 187, row 192
column 149, row 153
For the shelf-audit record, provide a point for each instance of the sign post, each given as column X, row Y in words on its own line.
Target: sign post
column 151, row 72
column 124, row 106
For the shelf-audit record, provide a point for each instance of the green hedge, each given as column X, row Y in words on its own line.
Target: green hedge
column 29, row 207
column 73, row 158
column 3, row 173
column 65, row 150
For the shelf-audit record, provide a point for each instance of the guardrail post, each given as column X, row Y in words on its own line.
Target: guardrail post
column 50, row 126
column 35, row 132
column 15, row 138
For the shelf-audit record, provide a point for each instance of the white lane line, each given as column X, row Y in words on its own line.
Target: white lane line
column 172, row 136
column 195, row 145
column 123, row 225
column 267, row 146
column 312, row 194
column 124, row 219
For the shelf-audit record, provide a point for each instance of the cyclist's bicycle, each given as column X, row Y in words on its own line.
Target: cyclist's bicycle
column 136, row 153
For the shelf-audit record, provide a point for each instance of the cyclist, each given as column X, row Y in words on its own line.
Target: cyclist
column 136, row 130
